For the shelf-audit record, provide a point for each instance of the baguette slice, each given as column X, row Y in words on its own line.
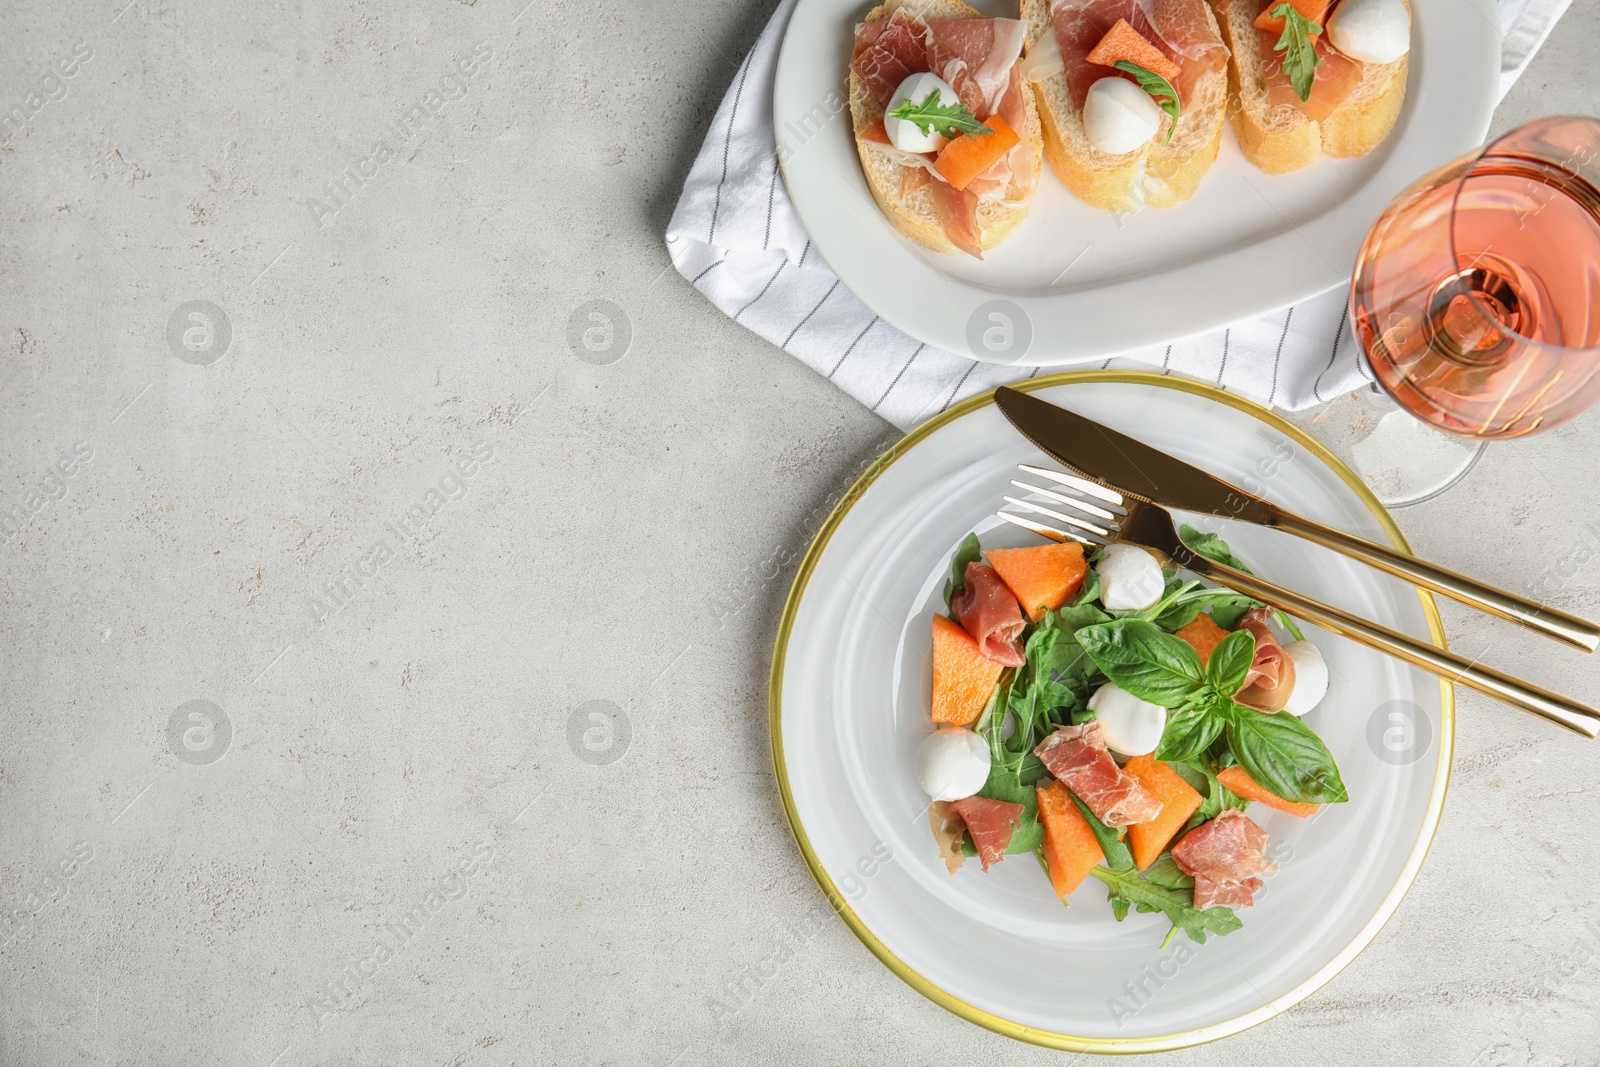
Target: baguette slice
column 914, row 215
column 1156, row 174
column 1278, row 138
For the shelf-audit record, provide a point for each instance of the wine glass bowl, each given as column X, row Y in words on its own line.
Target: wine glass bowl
column 1476, row 295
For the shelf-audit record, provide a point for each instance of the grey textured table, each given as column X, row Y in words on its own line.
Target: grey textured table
column 309, row 591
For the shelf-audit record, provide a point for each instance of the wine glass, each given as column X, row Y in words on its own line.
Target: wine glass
column 1476, row 302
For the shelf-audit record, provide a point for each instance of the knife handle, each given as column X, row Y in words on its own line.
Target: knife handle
column 1526, row 696
column 1568, row 629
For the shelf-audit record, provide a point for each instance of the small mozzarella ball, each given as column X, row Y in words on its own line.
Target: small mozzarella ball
column 907, row 135
column 1130, row 578
column 952, row 763
column 1132, row 727
column 1118, row 116
column 1310, row 676
column 1372, row 31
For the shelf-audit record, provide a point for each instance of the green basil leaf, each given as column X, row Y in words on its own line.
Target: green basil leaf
column 1116, row 851
column 1189, row 732
column 1285, row 756
column 969, row 552
column 1230, row 662
column 1139, row 657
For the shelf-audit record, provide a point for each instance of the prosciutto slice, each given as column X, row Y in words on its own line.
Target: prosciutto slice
column 985, row 607
column 990, row 823
column 890, row 50
column 985, row 49
column 947, row 830
column 1181, row 29
column 1335, row 80
column 1270, row 680
column 1226, row 858
column 1077, row 755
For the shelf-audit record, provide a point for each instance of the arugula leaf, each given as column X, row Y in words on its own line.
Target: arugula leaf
column 1230, row 662
column 1284, row 756
column 1165, row 873
column 1300, row 59
column 949, row 119
column 1215, row 797
column 1116, row 851
column 1231, row 606
column 1091, row 587
column 969, row 552
column 1158, row 87
column 1177, row 904
column 1190, row 730
column 1138, row 656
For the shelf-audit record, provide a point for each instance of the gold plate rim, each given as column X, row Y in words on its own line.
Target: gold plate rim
column 996, row 1023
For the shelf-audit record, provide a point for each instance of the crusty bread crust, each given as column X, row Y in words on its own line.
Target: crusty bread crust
column 914, row 215
column 1156, row 174
column 1279, row 138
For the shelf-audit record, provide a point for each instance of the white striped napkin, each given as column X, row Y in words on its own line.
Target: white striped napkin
column 736, row 237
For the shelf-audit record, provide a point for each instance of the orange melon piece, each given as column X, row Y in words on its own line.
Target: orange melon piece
column 963, row 677
column 1203, row 634
column 1041, row 578
column 1070, row 848
column 1238, row 779
column 1178, row 801
column 1311, row 9
column 1122, row 41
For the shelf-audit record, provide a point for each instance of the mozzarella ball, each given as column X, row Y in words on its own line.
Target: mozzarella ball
column 952, row 763
column 1130, row 578
column 907, row 135
column 1118, row 116
column 1372, row 31
column 1131, row 727
column 1310, row 676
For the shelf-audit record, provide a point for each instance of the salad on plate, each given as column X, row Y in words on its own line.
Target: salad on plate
column 1116, row 721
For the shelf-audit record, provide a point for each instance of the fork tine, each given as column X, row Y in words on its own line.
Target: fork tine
column 1092, row 533
column 1082, row 485
column 1045, row 531
column 1082, row 505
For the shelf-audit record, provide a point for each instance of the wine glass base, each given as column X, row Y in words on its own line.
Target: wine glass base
column 1404, row 460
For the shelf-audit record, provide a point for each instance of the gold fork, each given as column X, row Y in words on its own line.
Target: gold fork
column 1098, row 516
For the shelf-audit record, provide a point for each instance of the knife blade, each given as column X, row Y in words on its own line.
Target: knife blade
column 1124, row 465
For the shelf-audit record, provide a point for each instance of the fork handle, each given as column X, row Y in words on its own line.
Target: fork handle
column 1519, row 694
column 1569, row 629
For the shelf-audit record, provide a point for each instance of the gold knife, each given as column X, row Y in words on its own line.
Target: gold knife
column 1133, row 469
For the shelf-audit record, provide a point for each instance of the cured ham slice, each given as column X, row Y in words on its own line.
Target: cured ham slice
column 1336, row 79
column 985, row 49
column 1270, row 680
column 985, row 607
column 990, row 823
column 1181, row 29
column 889, row 51
column 1077, row 755
column 1226, row 858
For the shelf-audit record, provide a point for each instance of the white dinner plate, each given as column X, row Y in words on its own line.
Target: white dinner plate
column 851, row 685
column 1089, row 283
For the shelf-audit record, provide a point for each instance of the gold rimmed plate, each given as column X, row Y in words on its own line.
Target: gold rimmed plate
column 849, row 701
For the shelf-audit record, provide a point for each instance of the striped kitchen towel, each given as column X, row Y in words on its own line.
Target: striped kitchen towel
column 736, row 237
